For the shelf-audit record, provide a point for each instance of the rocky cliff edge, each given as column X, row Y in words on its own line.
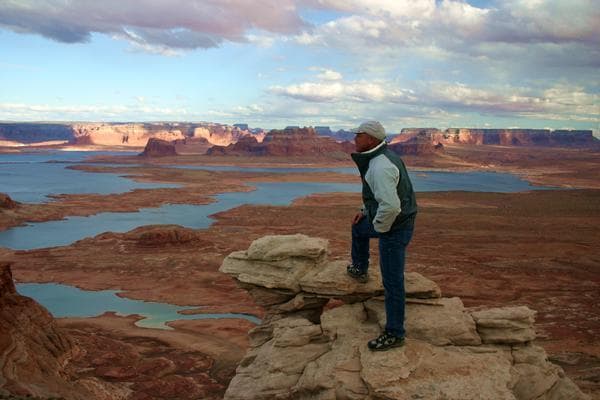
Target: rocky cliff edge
column 312, row 343
column 35, row 352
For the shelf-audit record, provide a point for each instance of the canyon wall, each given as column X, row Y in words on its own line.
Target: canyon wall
column 134, row 135
column 287, row 142
column 198, row 137
column 416, row 145
column 125, row 134
column 35, row 352
column 224, row 135
column 503, row 137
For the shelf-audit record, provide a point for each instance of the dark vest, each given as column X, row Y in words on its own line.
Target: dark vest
column 406, row 194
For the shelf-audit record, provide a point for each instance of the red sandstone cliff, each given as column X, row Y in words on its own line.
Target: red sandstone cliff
column 6, row 202
column 419, row 144
column 504, row 137
column 134, row 135
column 34, row 351
column 287, row 142
column 158, row 148
column 224, row 135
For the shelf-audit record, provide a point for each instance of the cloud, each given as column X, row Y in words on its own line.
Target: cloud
column 327, row 74
column 561, row 101
column 154, row 25
column 325, row 92
column 454, row 27
column 134, row 112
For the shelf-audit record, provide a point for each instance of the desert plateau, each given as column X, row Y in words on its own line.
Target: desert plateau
column 534, row 248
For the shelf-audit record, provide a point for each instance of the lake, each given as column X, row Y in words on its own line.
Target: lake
column 69, row 301
column 32, row 177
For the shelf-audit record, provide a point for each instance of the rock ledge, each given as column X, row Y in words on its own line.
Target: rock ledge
column 307, row 350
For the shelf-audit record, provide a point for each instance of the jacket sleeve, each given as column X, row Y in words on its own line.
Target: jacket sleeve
column 383, row 177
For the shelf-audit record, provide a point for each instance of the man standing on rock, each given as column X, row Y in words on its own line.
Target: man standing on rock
column 388, row 213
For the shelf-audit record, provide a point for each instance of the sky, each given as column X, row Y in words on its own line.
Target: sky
column 274, row 63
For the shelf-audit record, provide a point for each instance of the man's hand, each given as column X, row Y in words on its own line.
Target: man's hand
column 357, row 217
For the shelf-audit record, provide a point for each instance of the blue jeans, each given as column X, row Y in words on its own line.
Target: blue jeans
column 392, row 249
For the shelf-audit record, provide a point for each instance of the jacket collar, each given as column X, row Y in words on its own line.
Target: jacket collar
column 362, row 159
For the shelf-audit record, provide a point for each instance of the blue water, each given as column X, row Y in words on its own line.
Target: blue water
column 276, row 170
column 423, row 181
column 71, row 229
column 31, row 177
column 56, row 179
column 69, row 301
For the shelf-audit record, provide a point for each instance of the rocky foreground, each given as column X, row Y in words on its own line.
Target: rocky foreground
column 34, row 352
column 311, row 346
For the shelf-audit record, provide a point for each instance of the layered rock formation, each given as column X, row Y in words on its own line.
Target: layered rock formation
column 418, row 145
column 504, row 137
column 158, row 148
column 136, row 135
column 287, row 142
column 308, row 348
column 6, row 202
column 340, row 135
column 224, row 135
column 195, row 137
column 34, row 351
column 192, row 145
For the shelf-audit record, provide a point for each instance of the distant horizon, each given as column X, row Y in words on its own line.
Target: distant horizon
column 333, row 129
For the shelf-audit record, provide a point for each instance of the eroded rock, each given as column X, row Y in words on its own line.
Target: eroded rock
column 450, row 352
column 505, row 325
column 34, row 352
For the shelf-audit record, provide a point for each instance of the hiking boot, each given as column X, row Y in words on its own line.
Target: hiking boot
column 386, row 341
column 357, row 274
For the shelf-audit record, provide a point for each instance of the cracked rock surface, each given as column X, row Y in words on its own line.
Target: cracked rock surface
column 308, row 349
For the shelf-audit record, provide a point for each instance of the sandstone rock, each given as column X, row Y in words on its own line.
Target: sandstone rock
column 270, row 371
column 422, row 371
column 503, row 137
column 191, row 145
column 158, row 148
column 224, row 135
column 274, row 248
column 508, row 325
column 418, row 286
column 297, row 263
column 302, row 302
column 537, row 378
column 442, row 323
column 132, row 134
column 564, row 389
column 330, row 279
column 287, row 142
column 34, row 351
column 269, row 274
column 164, row 235
column 326, row 357
column 336, row 374
column 6, row 202
column 419, row 145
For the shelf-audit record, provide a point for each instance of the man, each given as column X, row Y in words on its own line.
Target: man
column 388, row 213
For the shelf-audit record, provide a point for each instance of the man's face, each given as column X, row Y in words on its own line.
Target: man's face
column 364, row 142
